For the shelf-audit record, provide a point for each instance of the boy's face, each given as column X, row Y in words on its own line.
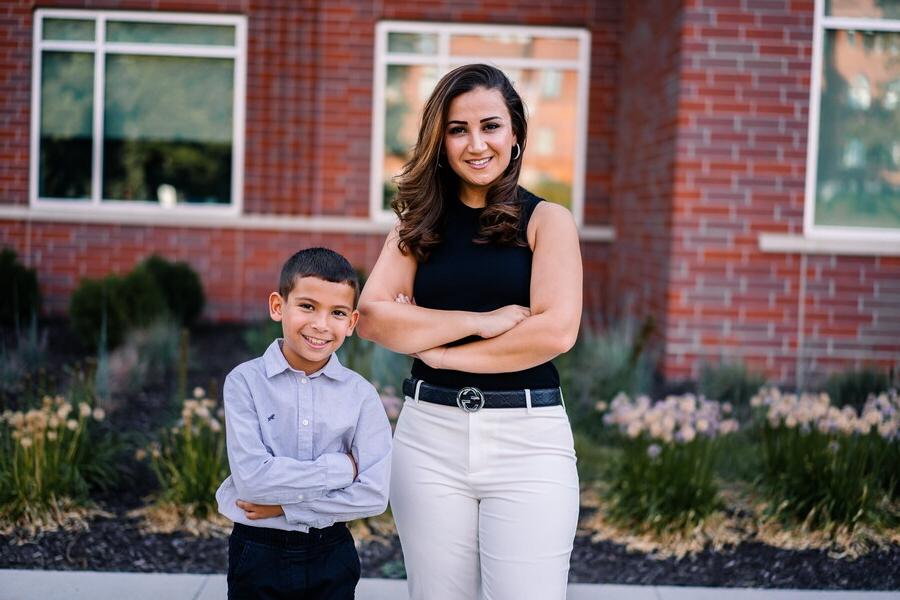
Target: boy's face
column 315, row 317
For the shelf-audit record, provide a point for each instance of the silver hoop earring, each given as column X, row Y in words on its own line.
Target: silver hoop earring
column 518, row 152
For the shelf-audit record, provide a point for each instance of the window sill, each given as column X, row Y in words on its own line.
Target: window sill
column 800, row 244
column 199, row 219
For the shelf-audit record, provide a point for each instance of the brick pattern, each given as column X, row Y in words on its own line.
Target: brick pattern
column 740, row 170
column 239, row 268
column 645, row 153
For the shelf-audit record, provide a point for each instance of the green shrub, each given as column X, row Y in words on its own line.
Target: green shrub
column 853, row 388
column 148, row 357
column 257, row 337
column 601, row 365
column 180, row 286
column 190, row 459
column 20, row 364
column 52, row 456
column 115, row 303
column 21, row 297
column 825, row 466
column 730, row 382
column 663, row 478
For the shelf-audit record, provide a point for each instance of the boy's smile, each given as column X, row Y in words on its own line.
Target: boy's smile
column 315, row 318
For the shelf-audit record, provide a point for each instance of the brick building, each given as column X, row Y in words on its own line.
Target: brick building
column 733, row 165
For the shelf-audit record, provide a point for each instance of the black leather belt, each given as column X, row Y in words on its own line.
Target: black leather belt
column 471, row 399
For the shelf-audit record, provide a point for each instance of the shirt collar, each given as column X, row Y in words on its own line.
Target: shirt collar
column 276, row 363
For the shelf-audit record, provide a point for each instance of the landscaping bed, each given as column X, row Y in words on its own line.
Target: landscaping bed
column 117, row 543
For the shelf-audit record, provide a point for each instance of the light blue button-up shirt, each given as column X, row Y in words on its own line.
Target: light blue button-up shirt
column 288, row 435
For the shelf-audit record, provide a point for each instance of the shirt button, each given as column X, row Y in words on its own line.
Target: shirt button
column 300, row 497
column 306, row 421
column 304, row 380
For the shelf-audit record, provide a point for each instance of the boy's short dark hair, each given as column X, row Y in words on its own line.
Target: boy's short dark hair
column 321, row 263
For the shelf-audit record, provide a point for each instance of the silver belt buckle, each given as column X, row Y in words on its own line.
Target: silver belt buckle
column 470, row 399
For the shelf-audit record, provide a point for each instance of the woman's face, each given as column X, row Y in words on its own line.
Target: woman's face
column 478, row 140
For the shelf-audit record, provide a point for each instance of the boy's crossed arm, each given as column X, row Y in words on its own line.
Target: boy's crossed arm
column 365, row 497
column 269, row 480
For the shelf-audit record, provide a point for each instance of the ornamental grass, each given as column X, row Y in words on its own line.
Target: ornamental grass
column 663, row 478
column 189, row 459
column 827, row 467
column 51, row 457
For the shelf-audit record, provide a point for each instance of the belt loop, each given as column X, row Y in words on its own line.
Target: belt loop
column 528, row 401
column 562, row 398
column 418, row 385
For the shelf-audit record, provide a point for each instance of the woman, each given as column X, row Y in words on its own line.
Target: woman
column 481, row 282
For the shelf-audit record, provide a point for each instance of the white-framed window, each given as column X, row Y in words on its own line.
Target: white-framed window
column 853, row 164
column 138, row 110
column 550, row 68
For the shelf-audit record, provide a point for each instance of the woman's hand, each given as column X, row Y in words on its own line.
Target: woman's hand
column 491, row 324
column 434, row 357
column 259, row 511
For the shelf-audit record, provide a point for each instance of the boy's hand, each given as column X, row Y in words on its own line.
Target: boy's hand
column 260, row 511
column 355, row 468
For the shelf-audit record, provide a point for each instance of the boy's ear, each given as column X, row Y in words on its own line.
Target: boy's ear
column 354, row 317
column 276, row 306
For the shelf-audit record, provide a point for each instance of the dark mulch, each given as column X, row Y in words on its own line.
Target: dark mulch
column 116, row 544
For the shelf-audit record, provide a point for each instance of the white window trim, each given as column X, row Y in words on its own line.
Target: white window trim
column 444, row 61
column 100, row 48
column 867, row 237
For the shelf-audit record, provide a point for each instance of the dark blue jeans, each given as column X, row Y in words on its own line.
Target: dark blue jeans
column 270, row 564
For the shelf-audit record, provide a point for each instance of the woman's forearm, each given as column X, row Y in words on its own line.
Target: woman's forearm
column 407, row 328
column 534, row 341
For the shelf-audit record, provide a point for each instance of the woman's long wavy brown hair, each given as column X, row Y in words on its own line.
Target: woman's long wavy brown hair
column 426, row 188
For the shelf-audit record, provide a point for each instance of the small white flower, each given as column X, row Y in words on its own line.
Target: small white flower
column 99, row 414
column 199, row 392
column 84, row 409
column 653, row 450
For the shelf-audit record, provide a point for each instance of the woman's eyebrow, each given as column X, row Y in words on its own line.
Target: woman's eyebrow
column 466, row 122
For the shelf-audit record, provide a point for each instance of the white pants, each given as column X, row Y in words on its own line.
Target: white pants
column 486, row 503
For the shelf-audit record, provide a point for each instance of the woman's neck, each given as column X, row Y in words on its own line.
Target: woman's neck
column 473, row 197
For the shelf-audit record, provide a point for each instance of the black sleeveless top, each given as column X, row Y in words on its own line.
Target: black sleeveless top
column 463, row 275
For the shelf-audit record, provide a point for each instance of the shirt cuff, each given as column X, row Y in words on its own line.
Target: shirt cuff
column 340, row 471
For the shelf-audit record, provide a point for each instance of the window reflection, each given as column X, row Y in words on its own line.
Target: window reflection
column 858, row 174
column 167, row 121
column 67, row 91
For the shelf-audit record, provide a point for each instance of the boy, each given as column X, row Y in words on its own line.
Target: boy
column 308, row 444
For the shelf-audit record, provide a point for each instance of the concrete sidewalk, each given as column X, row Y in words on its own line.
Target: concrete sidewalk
column 93, row 585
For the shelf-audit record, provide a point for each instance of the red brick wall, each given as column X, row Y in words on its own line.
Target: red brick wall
column 239, row 267
column 647, row 105
column 308, row 125
column 744, row 96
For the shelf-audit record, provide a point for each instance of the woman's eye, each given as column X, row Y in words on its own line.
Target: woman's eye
column 457, row 130
column 339, row 313
column 492, row 126
column 306, row 306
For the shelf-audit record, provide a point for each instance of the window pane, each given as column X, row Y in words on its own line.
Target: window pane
column 549, row 168
column 858, row 176
column 168, row 123
column 78, row 30
column 169, row 33
column 405, row 92
column 514, row 46
column 888, row 9
column 67, row 99
column 414, row 43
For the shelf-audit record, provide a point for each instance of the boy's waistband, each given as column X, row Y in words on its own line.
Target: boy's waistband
column 282, row 538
